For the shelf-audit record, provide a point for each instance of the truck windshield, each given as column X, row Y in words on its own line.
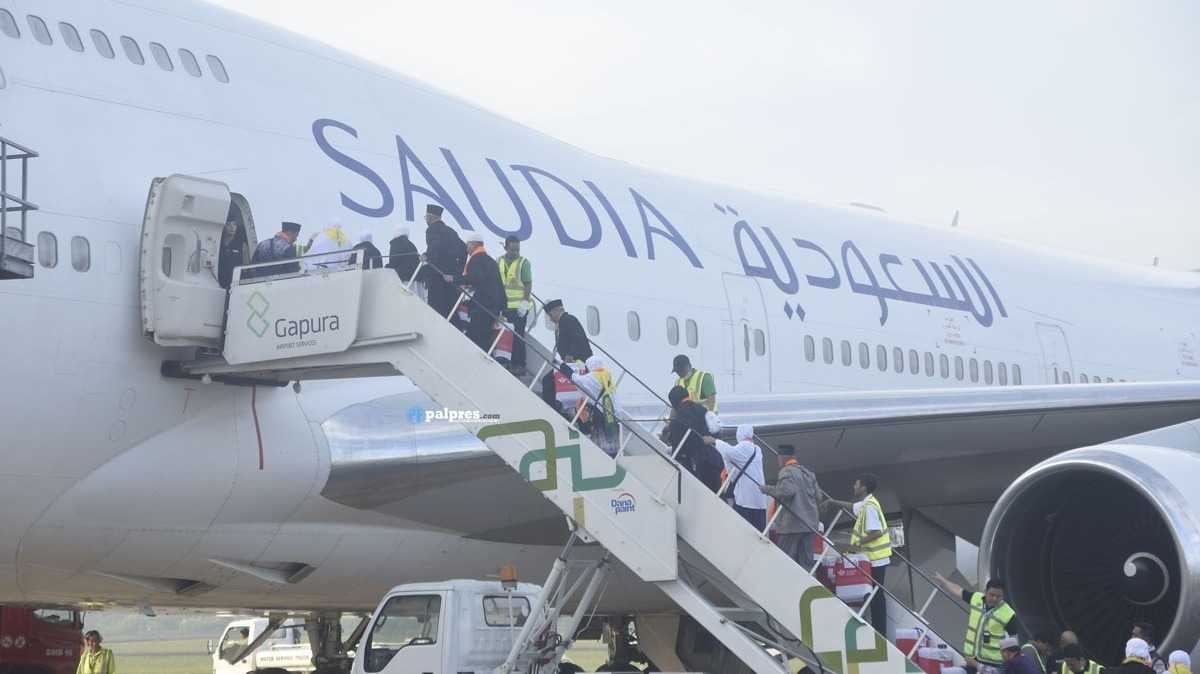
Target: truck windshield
column 505, row 611
column 409, row 621
column 235, row 640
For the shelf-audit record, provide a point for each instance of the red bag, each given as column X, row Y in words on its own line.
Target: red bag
column 565, row 391
column 933, row 659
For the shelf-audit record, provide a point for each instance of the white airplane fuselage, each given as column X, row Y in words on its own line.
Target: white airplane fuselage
column 116, row 479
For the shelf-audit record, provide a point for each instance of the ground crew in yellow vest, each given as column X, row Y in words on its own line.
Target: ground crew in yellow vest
column 1075, row 662
column 1040, row 650
column 517, row 277
column 701, row 386
column 990, row 620
column 870, row 537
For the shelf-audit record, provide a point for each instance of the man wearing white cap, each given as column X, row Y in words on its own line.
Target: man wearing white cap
column 743, row 464
column 372, row 258
column 1137, row 658
column 481, row 277
column 1015, row 661
column 402, row 254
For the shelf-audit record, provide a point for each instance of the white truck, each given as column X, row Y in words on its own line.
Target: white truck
column 285, row 651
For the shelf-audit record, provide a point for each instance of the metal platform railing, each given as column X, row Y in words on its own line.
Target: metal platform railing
column 15, row 251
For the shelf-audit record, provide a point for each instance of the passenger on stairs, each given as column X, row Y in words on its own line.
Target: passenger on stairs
column 402, row 254
column 333, row 247
column 1179, row 663
column 445, row 254
column 743, row 464
column 1040, row 649
column 282, row 246
column 870, row 537
column 695, row 454
column 798, row 493
column 1145, row 632
column 481, row 278
column 372, row 258
column 599, row 414
column 1137, row 658
column 570, row 343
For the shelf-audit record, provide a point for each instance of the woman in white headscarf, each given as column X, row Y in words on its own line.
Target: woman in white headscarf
column 600, row 406
column 743, row 464
column 1180, row 663
column 329, row 240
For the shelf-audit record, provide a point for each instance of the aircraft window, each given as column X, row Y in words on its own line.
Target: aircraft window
column 70, row 36
column 760, row 342
column 47, row 248
column 958, row 368
column 827, row 350
column 189, row 62
column 746, row 341
column 634, row 323
column 40, row 32
column 692, row 332
column 8, row 25
column 100, row 40
column 928, row 364
column 403, row 622
column 1002, row 374
column 847, row 353
column 132, row 51
column 898, row 359
column 1016, row 372
column 218, row 69
column 987, row 371
column 914, row 362
column 161, row 57
column 1083, row 378
column 81, row 253
column 1108, row 380
column 1066, row 377
column 974, row 370
column 672, row 330
column 944, row 366
column 810, row 348
column 864, row 355
column 593, row 320
column 166, row 261
column 881, row 358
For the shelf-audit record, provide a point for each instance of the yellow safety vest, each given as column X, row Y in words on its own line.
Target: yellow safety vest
column 692, row 384
column 1032, row 651
column 880, row 548
column 510, row 275
column 1092, row 668
column 985, row 630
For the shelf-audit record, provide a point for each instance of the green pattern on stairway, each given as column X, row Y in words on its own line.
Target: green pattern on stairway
column 550, row 454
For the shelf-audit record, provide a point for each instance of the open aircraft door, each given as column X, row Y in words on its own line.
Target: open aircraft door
column 1056, row 354
column 183, row 304
column 750, row 338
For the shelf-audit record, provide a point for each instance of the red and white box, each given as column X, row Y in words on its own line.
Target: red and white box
column 932, row 659
column 565, row 391
column 852, row 578
column 907, row 639
column 504, row 346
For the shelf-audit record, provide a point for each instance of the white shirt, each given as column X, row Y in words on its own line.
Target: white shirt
column 873, row 524
column 745, row 492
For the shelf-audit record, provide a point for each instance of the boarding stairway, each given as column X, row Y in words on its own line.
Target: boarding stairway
column 646, row 511
column 16, row 253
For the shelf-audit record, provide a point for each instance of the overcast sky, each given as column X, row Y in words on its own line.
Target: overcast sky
column 1074, row 125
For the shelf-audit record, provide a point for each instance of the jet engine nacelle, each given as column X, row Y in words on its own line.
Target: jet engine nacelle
column 1098, row 538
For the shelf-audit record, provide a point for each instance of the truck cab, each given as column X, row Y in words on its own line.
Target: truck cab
column 444, row 628
column 286, row 649
column 40, row 640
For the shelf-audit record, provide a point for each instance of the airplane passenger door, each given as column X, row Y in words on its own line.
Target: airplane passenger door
column 751, row 348
column 1056, row 354
column 182, row 302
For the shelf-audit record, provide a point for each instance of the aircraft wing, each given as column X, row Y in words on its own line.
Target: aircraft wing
column 943, row 448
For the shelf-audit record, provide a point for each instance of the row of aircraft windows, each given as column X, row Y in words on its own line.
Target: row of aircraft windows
column 47, row 251
column 133, row 51
column 914, row 362
column 1064, row 377
column 633, row 325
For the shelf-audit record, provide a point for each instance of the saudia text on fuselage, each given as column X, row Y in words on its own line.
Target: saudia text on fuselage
column 304, row 327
